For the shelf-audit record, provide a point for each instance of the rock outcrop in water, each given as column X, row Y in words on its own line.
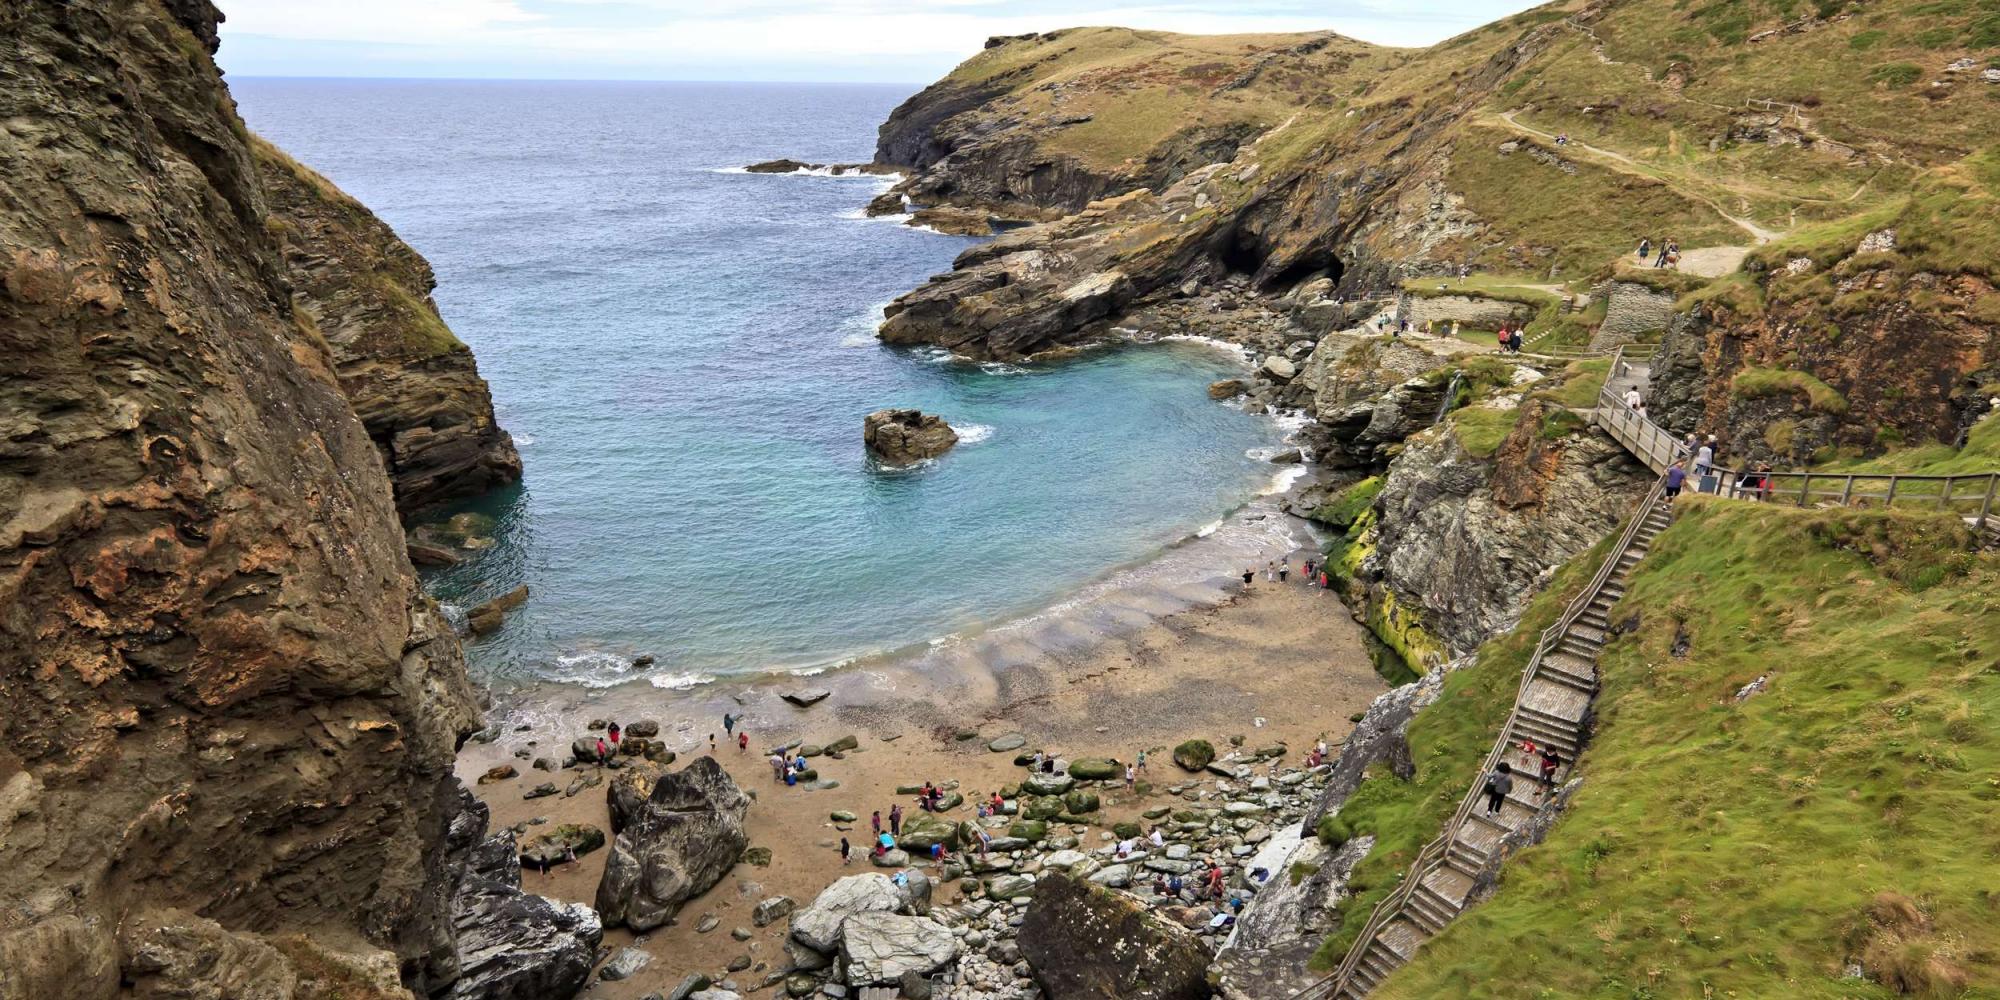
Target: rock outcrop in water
column 906, row 437
column 226, row 757
column 368, row 296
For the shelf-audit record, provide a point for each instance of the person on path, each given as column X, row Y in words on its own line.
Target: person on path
column 728, row 723
column 603, row 752
column 1454, row 329
column 1550, row 762
column 711, row 743
column 1284, row 571
column 985, row 842
column 1634, row 401
column 896, row 819
column 1248, row 572
column 1310, row 566
column 1498, row 784
column 1645, row 249
column 1215, row 880
column 742, row 741
column 1324, row 583
column 612, row 731
column 777, row 767
column 1131, row 777
column 845, row 851
column 875, row 822
column 1271, row 571
column 569, row 856
column 1516, row 340
column 1675, row 477
column 1704, row 460
column 1141, row 763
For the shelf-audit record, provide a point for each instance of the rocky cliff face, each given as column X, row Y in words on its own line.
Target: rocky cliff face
column 368, row 295
column 1856, row 358
column 231, row 712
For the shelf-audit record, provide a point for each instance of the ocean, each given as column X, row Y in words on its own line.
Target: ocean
column 684, row 354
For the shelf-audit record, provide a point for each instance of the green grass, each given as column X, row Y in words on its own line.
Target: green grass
column 1347, row 507
column 1754, row 849
column 1481, row 429
column 1578, row 385
column 1758, row 383
column 1981, row 453
column 1482, row 286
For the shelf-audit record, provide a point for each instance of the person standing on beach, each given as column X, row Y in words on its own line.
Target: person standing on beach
column 603, row 752
column 612, row 731
column 896, row 819
column 845, row 851
column 875, row 822
column 711, row 743
column 1131, row 777
column 742, row 741
column 1248, row 572
column 777, row 763
column 728, row 723
column 1284, row 570
column 1141, row 763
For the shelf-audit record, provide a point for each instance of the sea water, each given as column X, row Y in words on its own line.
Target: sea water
column 684, row 353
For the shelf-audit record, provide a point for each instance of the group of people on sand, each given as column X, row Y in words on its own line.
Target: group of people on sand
column 1280, row 571
column 1668, row 253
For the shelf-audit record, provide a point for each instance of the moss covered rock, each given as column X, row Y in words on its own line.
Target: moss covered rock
column 1094, row 769
column 1194, row 755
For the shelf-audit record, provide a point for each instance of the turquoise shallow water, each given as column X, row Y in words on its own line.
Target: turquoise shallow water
column 683, row 354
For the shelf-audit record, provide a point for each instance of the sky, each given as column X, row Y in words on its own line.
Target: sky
column 885, row 41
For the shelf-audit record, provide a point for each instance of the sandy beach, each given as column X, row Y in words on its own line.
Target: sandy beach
column 1271, row 663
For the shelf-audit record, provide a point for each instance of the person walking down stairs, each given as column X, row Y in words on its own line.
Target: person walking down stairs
column 1498, row 784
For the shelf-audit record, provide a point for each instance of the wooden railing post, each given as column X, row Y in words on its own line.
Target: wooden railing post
column 1986, row 505
column 1944, row 495
column 1847, row 491
column 1889, row 499
column 1805, row 484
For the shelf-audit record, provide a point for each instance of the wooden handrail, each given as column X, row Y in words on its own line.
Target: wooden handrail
column 1393, row 904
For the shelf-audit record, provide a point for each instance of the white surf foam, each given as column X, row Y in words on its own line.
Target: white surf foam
column 1284, row 479
column 974, row 433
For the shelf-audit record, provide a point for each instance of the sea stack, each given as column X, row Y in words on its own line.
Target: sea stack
column 906, row 437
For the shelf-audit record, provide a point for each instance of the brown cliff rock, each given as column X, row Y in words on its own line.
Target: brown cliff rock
column 229, row 704
column 905, row 437
column 368, row 295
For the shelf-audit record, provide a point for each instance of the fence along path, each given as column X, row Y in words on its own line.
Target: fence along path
column 1553, row 704
column 1973, row 496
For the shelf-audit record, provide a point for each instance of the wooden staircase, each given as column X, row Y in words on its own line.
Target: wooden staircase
column 1552, row 708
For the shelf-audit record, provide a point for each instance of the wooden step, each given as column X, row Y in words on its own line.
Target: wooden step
column 1564, row 742
column 1447, row 884
column 1554, row 702
column 1561, row 676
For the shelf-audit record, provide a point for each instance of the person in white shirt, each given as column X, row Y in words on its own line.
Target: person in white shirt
column 1633, row 400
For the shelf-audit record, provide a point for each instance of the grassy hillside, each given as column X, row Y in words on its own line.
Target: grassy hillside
column 1760, row 848
column 1138, row 88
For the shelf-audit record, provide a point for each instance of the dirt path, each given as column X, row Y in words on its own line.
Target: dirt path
column 1625, row 164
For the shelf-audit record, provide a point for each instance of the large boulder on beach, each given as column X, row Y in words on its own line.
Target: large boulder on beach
column 681, row 841
column 628, row 792
column 1095, row 768
column 1085, row 942
column 923, row 830
column 818, row 926
column 1194, row 755
column 906, row 437
column 511, row 944
column 881, row 947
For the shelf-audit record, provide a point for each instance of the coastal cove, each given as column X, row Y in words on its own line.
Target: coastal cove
column 696, row 491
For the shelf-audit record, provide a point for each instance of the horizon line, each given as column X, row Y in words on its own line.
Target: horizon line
column 578, row 79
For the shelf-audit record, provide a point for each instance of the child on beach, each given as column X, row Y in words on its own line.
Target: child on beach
column 742, row 742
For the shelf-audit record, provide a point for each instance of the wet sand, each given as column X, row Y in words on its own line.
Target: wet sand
column 1270, row 663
